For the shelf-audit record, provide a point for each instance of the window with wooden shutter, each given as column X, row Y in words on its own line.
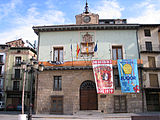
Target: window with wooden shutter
column 151, row 61
column 153, row 80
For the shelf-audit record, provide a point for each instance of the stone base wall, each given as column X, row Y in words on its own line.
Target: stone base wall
column 71, row 81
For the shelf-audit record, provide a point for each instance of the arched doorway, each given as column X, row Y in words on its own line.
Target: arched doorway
column 88, row 96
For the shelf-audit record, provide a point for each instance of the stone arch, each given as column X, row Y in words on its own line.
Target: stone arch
column 88, row 96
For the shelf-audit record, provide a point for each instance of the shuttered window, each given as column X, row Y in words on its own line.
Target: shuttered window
column 151, row 61
column 120, row 103
column 153, row 80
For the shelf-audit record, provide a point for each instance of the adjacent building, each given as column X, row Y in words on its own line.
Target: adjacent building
column 3, row 58
column 14, row 74
column 149, row 44
column 67, row 83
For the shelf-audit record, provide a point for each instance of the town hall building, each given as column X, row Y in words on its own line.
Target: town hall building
column 67, row 84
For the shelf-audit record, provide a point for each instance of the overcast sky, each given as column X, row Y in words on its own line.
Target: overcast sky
column 18, row 16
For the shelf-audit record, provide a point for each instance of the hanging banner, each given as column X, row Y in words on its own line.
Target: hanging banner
column 128, row 74
column 103, row 76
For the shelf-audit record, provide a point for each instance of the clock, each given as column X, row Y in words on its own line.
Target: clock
column 86, row 19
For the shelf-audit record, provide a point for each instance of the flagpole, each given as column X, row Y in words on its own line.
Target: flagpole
column 71, row 52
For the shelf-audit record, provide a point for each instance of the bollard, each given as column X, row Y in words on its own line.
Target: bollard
column 22, row 117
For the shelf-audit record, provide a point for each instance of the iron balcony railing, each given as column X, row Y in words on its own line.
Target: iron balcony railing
column 151, row 64
column 14, row 77
column 1, row 62
column 152, row 48
column 13, row 88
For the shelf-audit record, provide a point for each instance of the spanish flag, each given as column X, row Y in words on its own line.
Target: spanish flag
column 78, row 50
column 87, row 49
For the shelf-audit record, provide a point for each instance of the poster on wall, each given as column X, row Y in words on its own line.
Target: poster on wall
column 128, row 74
column 103, row 75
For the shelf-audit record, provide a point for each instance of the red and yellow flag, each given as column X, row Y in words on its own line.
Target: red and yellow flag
column 78, row 50
column 87, row 49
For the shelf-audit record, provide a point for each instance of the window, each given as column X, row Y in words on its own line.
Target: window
column 16, row 85
column 58, row 54
column 18, row 61
column 120, row 103
column 1, row 58
column 117, row 82
column 57, row 83
column 0, row 70
column 116, row 79
column 148, row 46
column 17, row 74
column 153, row 80
column 117, row 52
column 151, row 61
column 147, row 32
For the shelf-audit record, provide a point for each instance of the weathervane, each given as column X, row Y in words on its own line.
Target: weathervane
column 86, row 8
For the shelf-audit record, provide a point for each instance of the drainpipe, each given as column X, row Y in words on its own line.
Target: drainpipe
column 141, row 67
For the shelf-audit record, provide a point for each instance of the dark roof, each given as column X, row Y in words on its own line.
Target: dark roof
column 74, row 27
column 5, row 45
column 23, row 48
column 149, row 25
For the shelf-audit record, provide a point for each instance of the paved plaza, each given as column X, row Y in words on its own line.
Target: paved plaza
column 84, row 116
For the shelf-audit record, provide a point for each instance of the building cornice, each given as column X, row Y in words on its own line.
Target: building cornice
column 38, row 29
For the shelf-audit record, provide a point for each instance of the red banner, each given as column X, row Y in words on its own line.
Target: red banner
column 103, row 75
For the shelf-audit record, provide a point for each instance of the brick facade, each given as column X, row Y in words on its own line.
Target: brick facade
column 71, row 82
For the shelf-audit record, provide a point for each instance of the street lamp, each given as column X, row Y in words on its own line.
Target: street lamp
column 31, row 67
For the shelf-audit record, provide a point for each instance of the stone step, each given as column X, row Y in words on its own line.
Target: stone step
column 88, row 112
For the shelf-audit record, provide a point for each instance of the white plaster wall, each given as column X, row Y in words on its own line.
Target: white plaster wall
column 105, row 38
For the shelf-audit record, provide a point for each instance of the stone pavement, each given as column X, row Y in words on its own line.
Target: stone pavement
column 82, row 115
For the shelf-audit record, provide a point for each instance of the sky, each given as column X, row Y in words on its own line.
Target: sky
column 17, row 17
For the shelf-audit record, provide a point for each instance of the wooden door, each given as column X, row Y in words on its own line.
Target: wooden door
column 153, row 103
column 120, row 104
column 15, row 101
column 57, row 105
column 88, row 96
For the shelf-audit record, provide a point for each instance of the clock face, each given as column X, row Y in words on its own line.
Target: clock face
column 86, row 19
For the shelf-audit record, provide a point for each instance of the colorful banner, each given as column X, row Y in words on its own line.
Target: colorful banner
column 128, row 74
column 103, row 76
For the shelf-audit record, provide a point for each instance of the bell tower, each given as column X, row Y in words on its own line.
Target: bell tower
column 87, row 17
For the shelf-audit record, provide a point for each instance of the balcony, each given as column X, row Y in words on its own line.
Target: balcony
column 1, row 62
column 14, row 77
column 11, row 88
column 151, row 65
column 151, row 49
column 17, row 64
column 2, row 75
